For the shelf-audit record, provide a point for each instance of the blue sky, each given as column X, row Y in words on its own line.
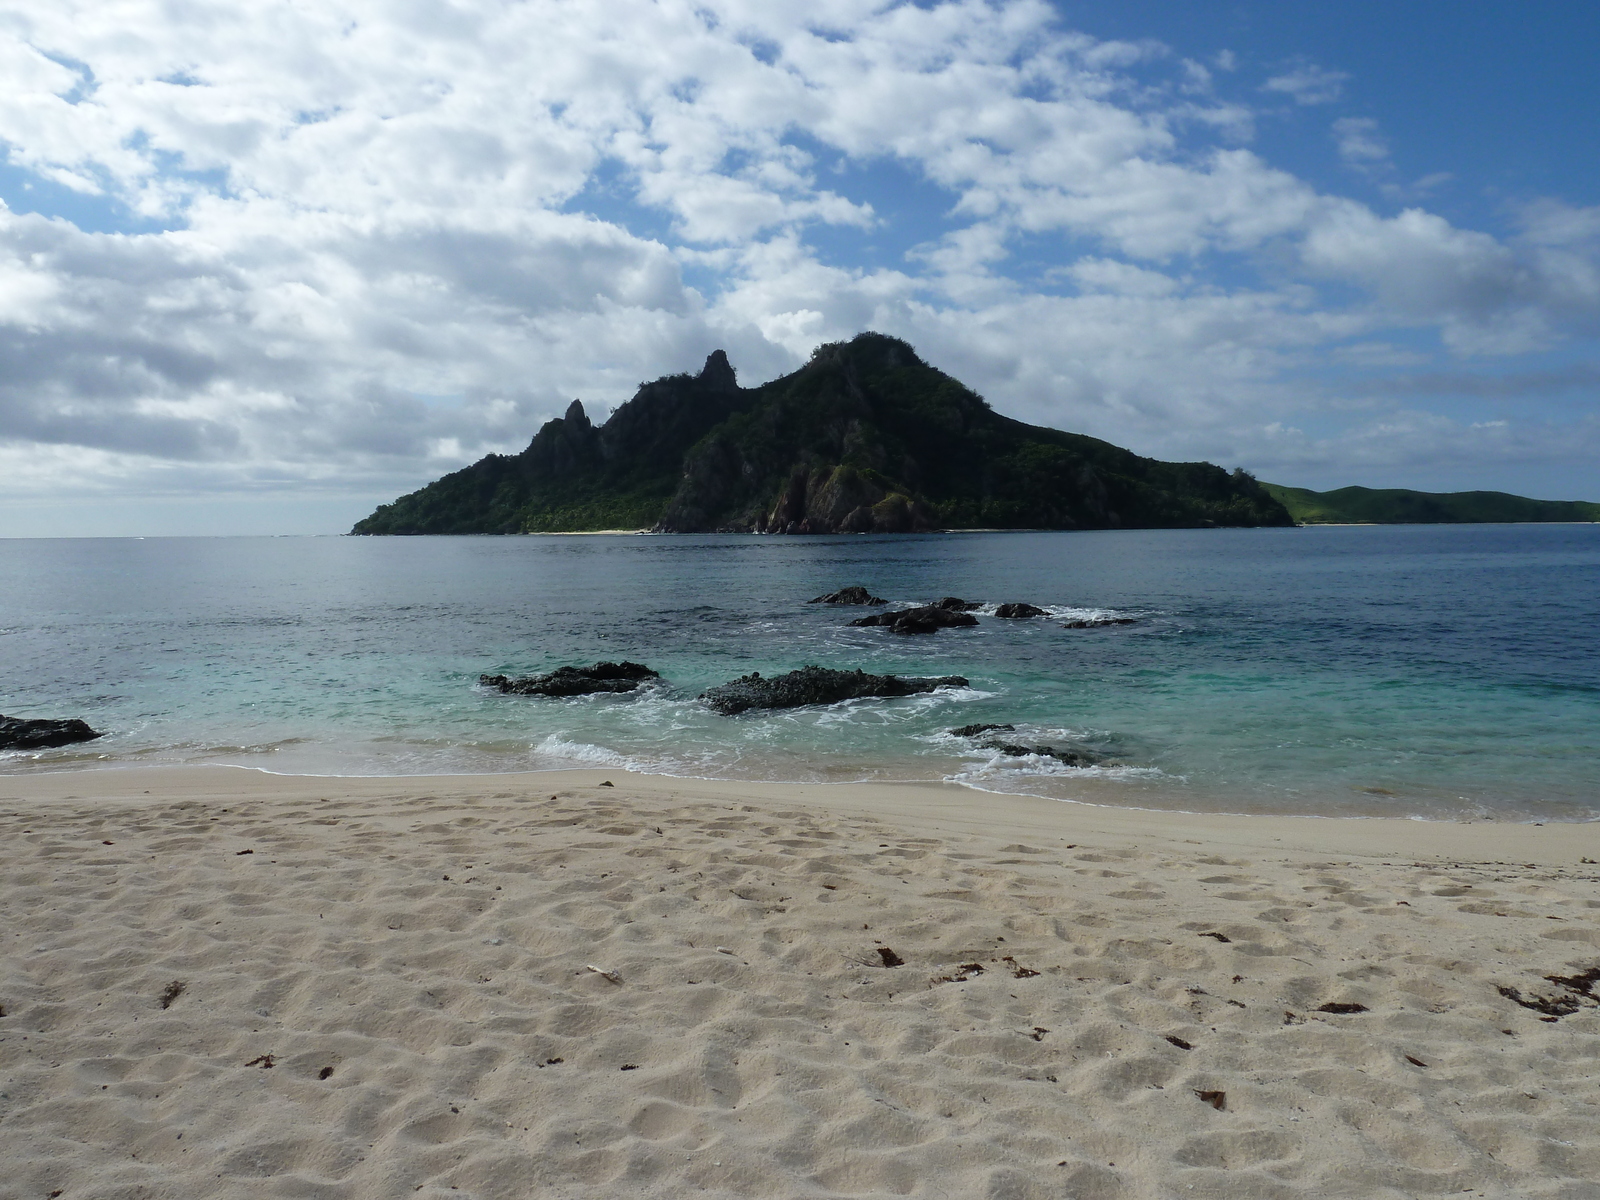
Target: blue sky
column 262, row 267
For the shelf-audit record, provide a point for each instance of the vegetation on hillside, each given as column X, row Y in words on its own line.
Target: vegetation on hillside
column 866, row 437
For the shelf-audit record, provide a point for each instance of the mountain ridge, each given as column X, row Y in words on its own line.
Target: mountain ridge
column 865, row 437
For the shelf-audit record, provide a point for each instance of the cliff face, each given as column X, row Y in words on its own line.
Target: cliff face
column 866, row 437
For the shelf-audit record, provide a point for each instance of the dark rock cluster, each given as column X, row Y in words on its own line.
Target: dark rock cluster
column 574, row 681
column 21, row 733
column 930, row 618
column 969, row 731
column 815, row 685
column 1075, row 756
column 1072, row 758
column 1020, row 610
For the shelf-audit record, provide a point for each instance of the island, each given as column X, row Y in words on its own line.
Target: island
column 866, row 437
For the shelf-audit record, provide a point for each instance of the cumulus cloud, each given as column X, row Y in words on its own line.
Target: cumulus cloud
column 384, row 240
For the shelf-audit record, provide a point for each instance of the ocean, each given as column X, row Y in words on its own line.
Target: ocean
column 1415, row 671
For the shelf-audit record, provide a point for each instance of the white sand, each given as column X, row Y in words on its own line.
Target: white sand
column 427, row 940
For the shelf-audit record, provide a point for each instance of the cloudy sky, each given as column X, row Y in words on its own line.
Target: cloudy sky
column 265, row 265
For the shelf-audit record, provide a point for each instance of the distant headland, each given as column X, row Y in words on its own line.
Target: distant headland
column 865, row 438
column 1401, row 506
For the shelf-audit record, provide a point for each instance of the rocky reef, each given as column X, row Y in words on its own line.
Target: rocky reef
column 1019, row 611
column 929, row 618
column 849, row 595
column 574, row 681
column 815, row 685
column 21, row 733
column 1072, row 758
column 969, row 731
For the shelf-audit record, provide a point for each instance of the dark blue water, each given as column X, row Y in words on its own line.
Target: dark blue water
column 1425, row 671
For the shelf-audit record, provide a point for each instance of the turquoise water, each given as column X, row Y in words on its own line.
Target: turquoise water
column 1419, row 671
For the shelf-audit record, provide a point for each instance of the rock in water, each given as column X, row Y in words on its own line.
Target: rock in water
column 1020, row 610
column 20, row 733
column 574, row 681
column 1097, row 622
column 968, row 731
column 1072, row 758
column 957, row 604
column 930, row 618
column 815, row 685
column 849, row 595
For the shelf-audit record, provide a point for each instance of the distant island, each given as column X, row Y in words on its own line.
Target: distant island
column 865, row 438
column 1400, row 506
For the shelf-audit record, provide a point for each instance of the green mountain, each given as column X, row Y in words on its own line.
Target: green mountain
column 1400, row 506
column 866, row 437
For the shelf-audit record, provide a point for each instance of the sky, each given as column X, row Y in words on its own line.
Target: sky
column 264, row 266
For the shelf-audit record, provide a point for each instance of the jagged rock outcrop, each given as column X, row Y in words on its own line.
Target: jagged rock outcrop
column 865, row 438
column 815, row 685
column 574, row 681
column 41, row 733
column 849, row 595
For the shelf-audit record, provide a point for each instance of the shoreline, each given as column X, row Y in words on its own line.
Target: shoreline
column 953, row 807
column 229, row 983
column 1093, row 791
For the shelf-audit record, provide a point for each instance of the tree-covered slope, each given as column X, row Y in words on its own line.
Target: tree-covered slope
column 866, row 437
column 1400, row 506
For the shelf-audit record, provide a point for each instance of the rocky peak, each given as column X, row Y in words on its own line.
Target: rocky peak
column 718, row 373
column 576, row 415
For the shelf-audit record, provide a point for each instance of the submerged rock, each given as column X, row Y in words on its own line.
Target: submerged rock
column 21, row 733
column 849, row 595
column 930, row 618
column 1097, row 622
column 815, row 685
column 1072, row 758
column 975, row 730
column 574, row 681
column 1020, row 610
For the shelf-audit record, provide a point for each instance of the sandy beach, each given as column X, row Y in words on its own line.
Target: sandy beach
column 218, row 982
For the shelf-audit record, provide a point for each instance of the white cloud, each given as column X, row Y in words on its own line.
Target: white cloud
column 1307, row 83
column 373, row 206
column 1360, row 143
